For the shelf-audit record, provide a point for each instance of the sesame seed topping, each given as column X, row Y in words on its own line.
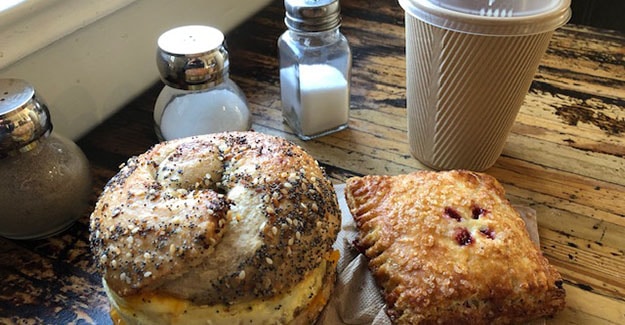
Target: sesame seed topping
column 116, row 212
column 314, row 207
column 172, row 249
column 269, row 261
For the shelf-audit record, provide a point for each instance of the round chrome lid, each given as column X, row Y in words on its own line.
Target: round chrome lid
column 192, row 57
column 24, row 117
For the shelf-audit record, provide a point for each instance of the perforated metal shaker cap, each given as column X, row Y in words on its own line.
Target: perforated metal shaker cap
column 312, row 15
column 192, row 57
column 24, row 117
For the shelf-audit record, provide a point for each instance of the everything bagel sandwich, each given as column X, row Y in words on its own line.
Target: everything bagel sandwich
column 229, row 228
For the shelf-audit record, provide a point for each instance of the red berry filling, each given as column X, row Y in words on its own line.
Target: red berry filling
column 489, row 233
column 476, row 212
column 463, row 237
column 452, row 214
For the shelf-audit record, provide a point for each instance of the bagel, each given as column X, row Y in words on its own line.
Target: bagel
column 226, row 228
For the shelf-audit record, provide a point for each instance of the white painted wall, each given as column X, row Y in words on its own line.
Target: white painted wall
column 93, row 61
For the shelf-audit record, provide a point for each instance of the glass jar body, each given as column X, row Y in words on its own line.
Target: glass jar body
column 45, row 190
column 315, row 73
column 181, row 113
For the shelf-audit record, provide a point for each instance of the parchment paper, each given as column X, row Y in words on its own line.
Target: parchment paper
column 357, row 299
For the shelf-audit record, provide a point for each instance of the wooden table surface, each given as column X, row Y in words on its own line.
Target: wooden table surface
column 565, row 158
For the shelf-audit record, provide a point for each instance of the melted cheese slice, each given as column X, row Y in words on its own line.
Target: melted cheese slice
column 158, row 309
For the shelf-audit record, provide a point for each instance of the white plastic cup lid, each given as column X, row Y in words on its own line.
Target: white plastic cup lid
column 491, row 17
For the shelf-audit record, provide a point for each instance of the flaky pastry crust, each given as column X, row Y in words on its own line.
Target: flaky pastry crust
column 448, row 248
column 215, row 219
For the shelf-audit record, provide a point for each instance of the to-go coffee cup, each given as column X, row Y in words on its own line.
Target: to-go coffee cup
column 469, row 65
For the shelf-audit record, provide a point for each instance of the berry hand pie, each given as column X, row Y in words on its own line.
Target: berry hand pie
column 448, row 248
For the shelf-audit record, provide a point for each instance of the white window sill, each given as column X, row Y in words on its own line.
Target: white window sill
column 88, row 58
column 33, row 24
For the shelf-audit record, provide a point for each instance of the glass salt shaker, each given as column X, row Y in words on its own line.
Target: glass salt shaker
column 46, row 182
column 199, row 97
column 315, row 68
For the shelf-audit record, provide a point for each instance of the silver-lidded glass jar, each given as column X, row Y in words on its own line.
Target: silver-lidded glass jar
column 46, row 182
column 315, row 68
column 199, row 97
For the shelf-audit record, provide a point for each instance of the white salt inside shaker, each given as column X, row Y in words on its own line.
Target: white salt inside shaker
column 323, row 97
column 315, row 69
